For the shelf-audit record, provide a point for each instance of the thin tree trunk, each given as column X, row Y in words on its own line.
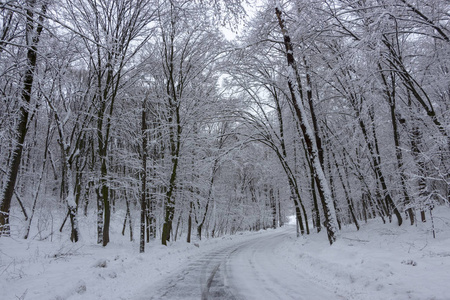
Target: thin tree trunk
column 126, row 218
column 346, row 193
column 377, row 164
column 44, row 162
column 298, row 213
column 6, row 34
column 205, row 213
column 316, row 212
column 68, row 191
column 188, row 238
column 143, row 178
column 391, row 95
column 148, row 223
column 99, row 217
column 273, row 206
column 416, row 140
column 170, row 204
column 396, row 62
column 22, row 207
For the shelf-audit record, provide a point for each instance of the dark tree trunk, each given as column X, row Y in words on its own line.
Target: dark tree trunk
column 313, row 152
column 298, row 215
column 99, row 216
column 170, row 204
column 346, row 193
column 127, row 218
column 282, row 156
column 205, row 213
column 316, row 212
column 413, row 86
column 148, row 221
column 280, row 216
column 376, row 158
column 297, row 200
column 152, row 220
column 188, row 238
column 106, row 205
column 273, row 205
column 416, row 140
column 143, row 179
column 32, row 37
column 391, row 95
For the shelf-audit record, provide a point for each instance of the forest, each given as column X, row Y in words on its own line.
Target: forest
column 146, row 114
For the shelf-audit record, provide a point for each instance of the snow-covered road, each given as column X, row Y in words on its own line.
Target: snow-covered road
column 250, row 269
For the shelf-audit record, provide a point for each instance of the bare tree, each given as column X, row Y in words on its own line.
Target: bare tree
column 34, row 26
column 112, row 32
column 308, row 133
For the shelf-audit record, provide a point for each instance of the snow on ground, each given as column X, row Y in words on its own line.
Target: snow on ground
column 381, row 261
column 31, row 269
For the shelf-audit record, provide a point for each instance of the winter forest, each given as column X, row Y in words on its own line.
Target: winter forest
column 178, row 120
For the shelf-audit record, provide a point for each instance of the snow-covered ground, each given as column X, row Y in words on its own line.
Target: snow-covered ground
column 381, row 261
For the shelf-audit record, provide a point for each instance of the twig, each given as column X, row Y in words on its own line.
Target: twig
column 356, row 240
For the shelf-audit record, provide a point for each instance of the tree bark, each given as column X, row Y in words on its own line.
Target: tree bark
column 295, row 90
column 32, row 39
column 391, row 96
column 143, row 179
column 188, row 237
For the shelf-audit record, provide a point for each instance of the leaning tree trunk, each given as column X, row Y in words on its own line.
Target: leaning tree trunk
column 313, row 152
column 351, row 208
column 295, row 195
column 376, row 159
column 391, row 96
column 210, row 190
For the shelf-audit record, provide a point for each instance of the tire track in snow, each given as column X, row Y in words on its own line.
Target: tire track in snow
column 248, row 270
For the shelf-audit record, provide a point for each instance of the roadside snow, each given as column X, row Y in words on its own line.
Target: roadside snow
column 31, row 269
column 381, row 261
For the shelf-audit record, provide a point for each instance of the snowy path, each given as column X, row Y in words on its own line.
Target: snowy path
column 250, row 269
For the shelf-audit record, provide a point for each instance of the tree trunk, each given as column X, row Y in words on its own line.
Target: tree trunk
column 416, row 140
column 351, row 208
column 316, row 212
column 313, row 152
column 280, row 216
column 143, row 178
column 170, row 204
column 188, row 238
column 376, row 158
column 32, row 39
column 391, row 95
column 298, row 213
column 33, row 209
column 127, row 218
column 99, row 216
column 273, row 205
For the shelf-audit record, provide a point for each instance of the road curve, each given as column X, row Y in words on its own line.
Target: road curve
column 253, row 269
